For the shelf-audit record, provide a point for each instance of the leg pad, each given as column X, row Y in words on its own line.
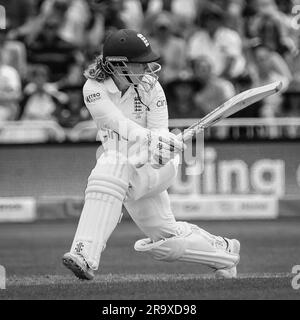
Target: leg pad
column 195, row 245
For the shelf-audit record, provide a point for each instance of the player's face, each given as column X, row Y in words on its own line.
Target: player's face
column 140, row 69
column 143, row 74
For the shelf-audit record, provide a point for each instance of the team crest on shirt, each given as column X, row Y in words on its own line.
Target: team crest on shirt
column 138, row 108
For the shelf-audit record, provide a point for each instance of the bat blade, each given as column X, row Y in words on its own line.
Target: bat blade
column 233, row 105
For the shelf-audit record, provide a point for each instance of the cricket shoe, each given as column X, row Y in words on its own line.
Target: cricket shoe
column 233, row 246
column 77, row 264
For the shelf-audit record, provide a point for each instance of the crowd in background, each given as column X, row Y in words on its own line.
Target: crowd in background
column 210, row 51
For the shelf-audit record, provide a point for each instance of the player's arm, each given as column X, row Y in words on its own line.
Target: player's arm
column 107, row 115
column 158, row 122
column 157, row 114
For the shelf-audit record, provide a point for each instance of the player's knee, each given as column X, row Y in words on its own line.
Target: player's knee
column 188, row 246
column 167, row 246
column 170, row 249
column 110, row 176
column 156, row 233
column 147, row 181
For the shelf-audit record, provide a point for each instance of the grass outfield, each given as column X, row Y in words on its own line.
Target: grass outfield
column 31, row 254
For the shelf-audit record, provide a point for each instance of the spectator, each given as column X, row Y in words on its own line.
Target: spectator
column 295, row 69
column 184, row 11
column 245, row 82
column 268, row 66
column 177, row 7
column 76, row 18
column 70, row 114
column 87, row 20
column 55, row 8
column 235, row 15
column 221, row 44
column 104, row 16
column 242, row 83
column 213, row 89
column 286, row 6
column 111, row 13
column 291, row 103
column 184, row 15
column 272, row 26
column 157, row 6
column 47, row 10
column 13, row 53
column 51, row 50
column 18, row 11
column 10, row 90
column 171, row 48
column 41, row 99
column 180, row 95
column 132, row 14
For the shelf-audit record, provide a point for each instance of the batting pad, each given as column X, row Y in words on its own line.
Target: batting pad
column 104, row 195
column 192, row 245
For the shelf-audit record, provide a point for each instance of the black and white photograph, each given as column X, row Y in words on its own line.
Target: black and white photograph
column 149, row 153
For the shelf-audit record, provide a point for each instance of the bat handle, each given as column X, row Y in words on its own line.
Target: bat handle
column 189, row 133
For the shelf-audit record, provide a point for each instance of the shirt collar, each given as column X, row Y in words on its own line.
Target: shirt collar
column 111, row 86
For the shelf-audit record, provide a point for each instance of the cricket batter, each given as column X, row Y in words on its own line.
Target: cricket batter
column 130, row 110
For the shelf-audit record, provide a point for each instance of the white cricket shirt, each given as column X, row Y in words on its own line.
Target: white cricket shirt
column 109, row 109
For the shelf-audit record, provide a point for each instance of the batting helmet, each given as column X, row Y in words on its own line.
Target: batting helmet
column 125, row 47
column 130, row 44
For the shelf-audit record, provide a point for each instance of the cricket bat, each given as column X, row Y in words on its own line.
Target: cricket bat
column 233, row 105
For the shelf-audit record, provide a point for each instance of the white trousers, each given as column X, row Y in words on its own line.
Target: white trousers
column 114, row 183
column 147, row 200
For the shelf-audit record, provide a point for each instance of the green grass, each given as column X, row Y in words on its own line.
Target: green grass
column 32, row 254
column 152, row 286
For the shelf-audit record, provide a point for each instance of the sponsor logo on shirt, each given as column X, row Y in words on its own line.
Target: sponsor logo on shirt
column 93, row 97
column 161, row 102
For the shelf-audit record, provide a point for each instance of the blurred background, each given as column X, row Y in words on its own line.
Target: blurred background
column 210, row 51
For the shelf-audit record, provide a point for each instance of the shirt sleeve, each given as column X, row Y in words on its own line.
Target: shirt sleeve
column 104, row 112
column 157, row 115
